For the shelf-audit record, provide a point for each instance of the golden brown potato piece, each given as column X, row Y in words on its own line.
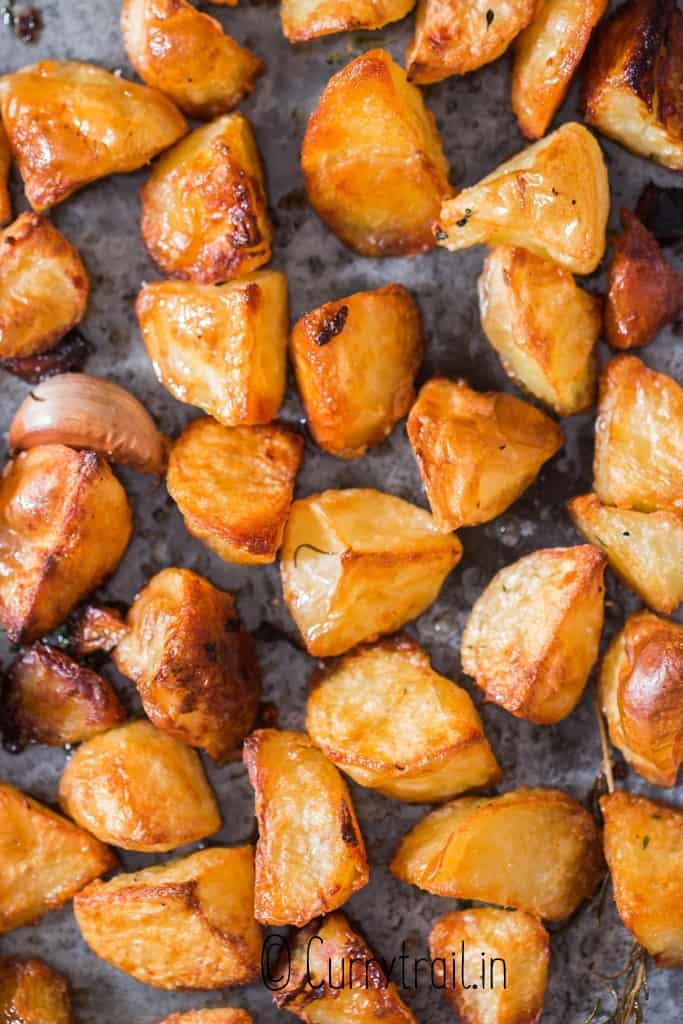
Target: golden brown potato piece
column 234, row 486
column 477, row 451
column 186, row 924
column 309, row 19
column 225, row 1016
column 543, row 326
column 508, row 986
column 97, row 627
column 193, row 664
column 552, row 198
column 355, row 361
column 65, row 522
column 44, row 859
column 310, row 855
column 372, row 159
column 188, row 56
column 5, row 167
column 389, row 721
column 71, row 123
column 137, row 788
column 32, row 993
column 359, row 563
column 644, row 851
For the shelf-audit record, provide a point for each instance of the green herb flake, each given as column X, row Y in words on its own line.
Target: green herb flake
column 646, row 842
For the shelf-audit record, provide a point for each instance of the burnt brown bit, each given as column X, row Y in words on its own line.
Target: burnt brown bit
column 348, row 828
column 661, row 211
column 28, row 24
column 69, row 356
column 245, row 229
column 331, row 326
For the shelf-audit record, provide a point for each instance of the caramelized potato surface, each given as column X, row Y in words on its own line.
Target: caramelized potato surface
column 97, row 627
column 32, row 993
column 308, row 19
column 5, row 167
column 226, row 1016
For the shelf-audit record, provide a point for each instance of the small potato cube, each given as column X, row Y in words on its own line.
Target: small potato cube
column 358, row 563
column 390, row 722
column 98, row 627
column 310, row 855
column 137, row 788
column 532, row 637
column 32, row 993
column 309, row 19
column 372, row 159
column 355, row 361
column 532, row 849
column 477, row 451
column 552, row 198
column 5, row 167
column 65, row 522
column 222, row 349
column 204, row 209
column 234, row 486
column 226, row 1016
column 186, row 924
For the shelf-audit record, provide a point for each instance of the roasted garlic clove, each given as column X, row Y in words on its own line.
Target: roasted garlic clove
column 309, row 19
column 32, row 993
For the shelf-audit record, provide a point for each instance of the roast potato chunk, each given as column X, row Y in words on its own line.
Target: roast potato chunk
column 204, row 209
column 372, row 159
column 308, row 19
column 359, row 563
column 65, row 522
column 140, row 789
column 234, row 486
column 477, row 451
column 97, row 627
column 226, row 1016
column 390, row 722
column 71, row 123
column 223, row 349
column 355, row 361
column 533, row 849
column 543, row 326
column 644, row 851
column 5, row 166
column 310, row 855
column 552, row 198
column 186, row 924
column 32, row 993
column 193, row 664
column 44, row 859
column 532, row 637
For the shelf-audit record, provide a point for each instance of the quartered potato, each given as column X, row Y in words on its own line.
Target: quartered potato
column 65, row 522
column 358, row 563
column 186, row 924
column 372, row 159
column 222, row 349
column 96, row 627
column 644, row 851
column 537, row 850
column 355, row 361
column 193, row 664
column 477, row 451
column 226, row 1016
column 389, row 721
column 234, row 486
column 309, row 19
column 32, row 993
column 140, row 789
column 70, row 123
column 552, row 198
column 310, row 855
column 532, row 637
column 543, row 326
column 5, row 167
column 204, row 209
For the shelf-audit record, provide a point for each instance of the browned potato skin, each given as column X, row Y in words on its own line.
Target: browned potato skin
column 98, row 627
column 194, row 665
column 226, row 1016
column 44, row 108
column 32, row 993
column 355, row 361
column 301, row 871
column 65, row 522
column 302, row 20
column 5, row 166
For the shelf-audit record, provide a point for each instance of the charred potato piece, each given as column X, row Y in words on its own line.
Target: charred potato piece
column 355, row 361
column 310, row 855
column 5, row 167
column 661, row 211
column 226, row 1016
column 98, row 627
column 358, row 563
column 71, row 123
column 234, row 486
column 390, row 722
column 139, row 789
column 308, row 19
column 372, row 159
column 32, row 993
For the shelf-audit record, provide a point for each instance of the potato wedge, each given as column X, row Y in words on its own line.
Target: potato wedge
column 308, row 19
column 372, row 160
column 186, row 924
column 532, row 637
column 32, row 993
column 384, row 717
column 97, row 627
column 355, row 361
column 70, row 123
column 552, row 198
column 226, row 1016
column 137, row 788
column 234, row 486
column 310, row 855
column 543, row 326
column 644, row 851
column 532, row 849
column 358, row 563
column 477, row 451
column 5, row 167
